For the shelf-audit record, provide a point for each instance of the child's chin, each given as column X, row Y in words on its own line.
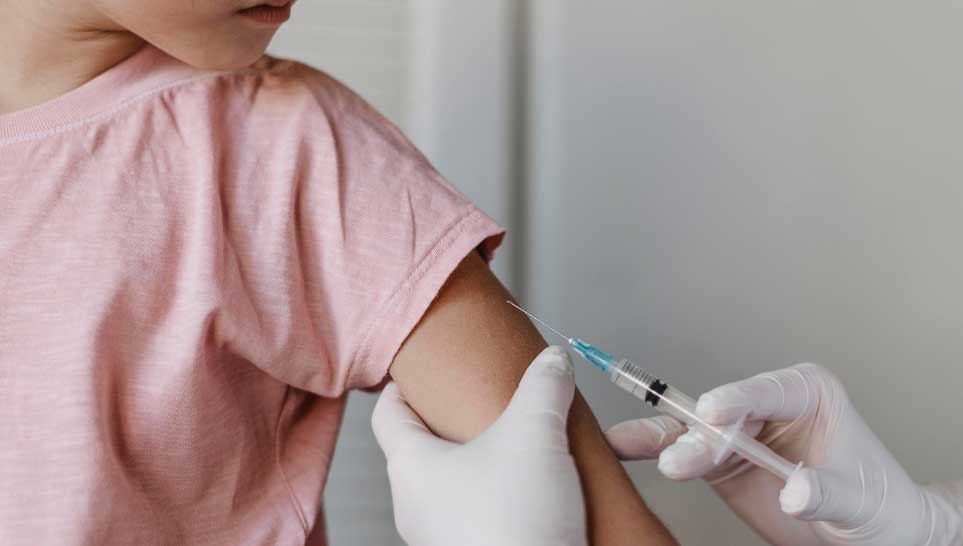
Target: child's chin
column 227, row 58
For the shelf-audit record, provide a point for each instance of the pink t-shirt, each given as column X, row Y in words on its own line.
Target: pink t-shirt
column 194, row 269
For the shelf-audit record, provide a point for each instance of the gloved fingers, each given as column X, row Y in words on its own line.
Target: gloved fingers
column 690, row 457
column 541, row 402
column 397, row 427
column 813, row 494
column 643, row 438
column 782, row 395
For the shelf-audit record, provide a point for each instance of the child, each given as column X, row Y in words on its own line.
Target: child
column 201, row 251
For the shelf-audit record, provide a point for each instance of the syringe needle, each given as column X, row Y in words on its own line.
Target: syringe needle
column 540, row 321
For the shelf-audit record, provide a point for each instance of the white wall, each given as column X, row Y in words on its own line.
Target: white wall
column 462, row 115
column 722, row 189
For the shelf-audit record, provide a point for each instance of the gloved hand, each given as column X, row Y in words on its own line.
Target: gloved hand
column 515, row 484
column 851, row 491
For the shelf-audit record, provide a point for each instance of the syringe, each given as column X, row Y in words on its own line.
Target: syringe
column 632, row 378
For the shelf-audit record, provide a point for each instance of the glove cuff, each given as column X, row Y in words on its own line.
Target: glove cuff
column 944, row 502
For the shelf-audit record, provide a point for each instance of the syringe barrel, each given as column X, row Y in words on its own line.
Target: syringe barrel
column 759, row 454
column 632, row 378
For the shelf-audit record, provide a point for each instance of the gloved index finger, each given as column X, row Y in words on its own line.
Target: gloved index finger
column 548, row 385
column 782, row 395
column 643, row 438
column 397, row 427
column 538, row 411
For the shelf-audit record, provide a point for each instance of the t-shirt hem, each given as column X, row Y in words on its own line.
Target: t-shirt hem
column 404, row 309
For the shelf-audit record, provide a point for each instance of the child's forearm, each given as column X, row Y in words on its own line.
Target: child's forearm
column 616, row 512
column 458, row 370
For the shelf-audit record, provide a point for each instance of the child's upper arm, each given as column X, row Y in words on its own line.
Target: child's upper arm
column 467, row 354
column 459, row 367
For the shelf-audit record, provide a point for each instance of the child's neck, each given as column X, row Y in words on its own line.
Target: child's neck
column 45, row 52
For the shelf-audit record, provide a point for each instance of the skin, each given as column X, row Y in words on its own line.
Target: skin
column 459, row 368
column 49, row 47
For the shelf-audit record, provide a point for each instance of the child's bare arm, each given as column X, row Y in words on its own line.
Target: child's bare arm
column 459, row 368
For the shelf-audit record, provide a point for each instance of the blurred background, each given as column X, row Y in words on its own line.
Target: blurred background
column 712, row 189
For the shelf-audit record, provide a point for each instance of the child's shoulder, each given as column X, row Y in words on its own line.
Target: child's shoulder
column 283, row 92
column 288, row 76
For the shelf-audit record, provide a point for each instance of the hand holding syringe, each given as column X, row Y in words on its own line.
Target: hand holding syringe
column 632, row 378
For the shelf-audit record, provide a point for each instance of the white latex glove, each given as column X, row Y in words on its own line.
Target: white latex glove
column 851, row 491
column 515, row 484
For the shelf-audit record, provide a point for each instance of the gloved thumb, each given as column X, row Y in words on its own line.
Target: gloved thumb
column 814, row 494
column 643, row 438
column 538, row 411
column 397, row 427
